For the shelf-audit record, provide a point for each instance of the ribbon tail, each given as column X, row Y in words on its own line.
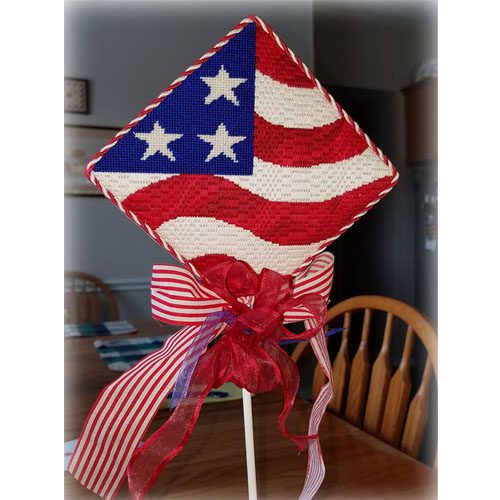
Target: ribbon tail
column 205, row 334
column 122, row 412
column 315, row 464
column 290, row 383
column 168, row 441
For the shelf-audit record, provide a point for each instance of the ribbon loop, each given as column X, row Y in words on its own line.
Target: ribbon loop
column 247, row 354
column 246, row 314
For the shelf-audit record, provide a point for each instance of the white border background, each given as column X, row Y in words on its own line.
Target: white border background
column 32, row 249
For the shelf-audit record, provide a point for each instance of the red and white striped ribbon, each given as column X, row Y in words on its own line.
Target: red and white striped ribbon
column 315, row 464
column 125, row 408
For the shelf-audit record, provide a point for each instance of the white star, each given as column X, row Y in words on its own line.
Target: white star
column 222, row 143
column 222, row 85
column 158, row 142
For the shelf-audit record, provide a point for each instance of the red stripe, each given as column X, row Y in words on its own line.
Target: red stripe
column 164, row 288
column 298, row 147
column 273, row 61
column 283, row 223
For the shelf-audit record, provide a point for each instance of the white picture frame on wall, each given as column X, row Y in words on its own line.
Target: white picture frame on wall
column 80, row 144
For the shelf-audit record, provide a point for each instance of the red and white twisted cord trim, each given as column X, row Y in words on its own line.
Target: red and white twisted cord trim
column 155, row 102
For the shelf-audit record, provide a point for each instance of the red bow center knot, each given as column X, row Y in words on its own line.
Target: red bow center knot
column 245, row 313
column 248, row 352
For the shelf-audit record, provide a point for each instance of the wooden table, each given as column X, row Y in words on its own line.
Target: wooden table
column 212, row 465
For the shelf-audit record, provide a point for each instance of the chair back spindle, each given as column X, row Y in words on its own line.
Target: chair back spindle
column 359, row 376
column 418, row 414
column 397, row 398
column 88, row 299
column 341, row 368
column 379, row 382
column 95, row 304
column 376, row 398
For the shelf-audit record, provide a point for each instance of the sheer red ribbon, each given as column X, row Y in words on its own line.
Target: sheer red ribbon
column 247, row 354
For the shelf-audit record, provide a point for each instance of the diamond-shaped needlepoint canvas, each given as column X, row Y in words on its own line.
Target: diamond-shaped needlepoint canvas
column 245, row 156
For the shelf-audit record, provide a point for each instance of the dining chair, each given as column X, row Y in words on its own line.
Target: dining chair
column 376, row 396
column 88, row 299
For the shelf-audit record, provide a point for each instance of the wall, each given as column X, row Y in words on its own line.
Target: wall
column 130, row 51
column 373, row 44
column 377, row 45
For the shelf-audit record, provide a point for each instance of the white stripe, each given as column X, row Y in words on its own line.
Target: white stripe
column 197, row 315
column 276, row 183
column 192, row 292
column 188, row 298
column 292, row 107
column 312, row 184
column 176, row 320
column 167, row 297
column 196, row 236
column 122, row 184
column 187, row 318
column 163, row 287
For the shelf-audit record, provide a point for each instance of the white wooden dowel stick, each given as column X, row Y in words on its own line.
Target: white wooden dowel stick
column 250, row 453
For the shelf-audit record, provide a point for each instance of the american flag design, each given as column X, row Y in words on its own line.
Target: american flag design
column 245, row 156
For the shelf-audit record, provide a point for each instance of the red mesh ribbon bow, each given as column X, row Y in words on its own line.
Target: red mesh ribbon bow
column 247, row 313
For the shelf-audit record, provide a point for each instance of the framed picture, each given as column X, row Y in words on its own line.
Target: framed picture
column 76, row 96
column 80, row 144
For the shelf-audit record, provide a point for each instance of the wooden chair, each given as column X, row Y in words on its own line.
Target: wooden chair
column 376, row 397
column 83, row 299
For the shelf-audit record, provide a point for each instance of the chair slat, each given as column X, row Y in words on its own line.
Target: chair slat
column 387, row 398
column 340, row 370
column 86, row 295
column 379, row 382
column 84, row 303
column 299, row 350
column 359, row 376
column 74, row 303
column 398, row 396
column 94, row 306
column 417, row 415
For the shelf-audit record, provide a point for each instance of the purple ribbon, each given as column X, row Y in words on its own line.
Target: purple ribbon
column 197, row 348
column 327, row 334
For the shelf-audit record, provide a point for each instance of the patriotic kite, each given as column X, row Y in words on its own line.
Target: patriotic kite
column 245, row 169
